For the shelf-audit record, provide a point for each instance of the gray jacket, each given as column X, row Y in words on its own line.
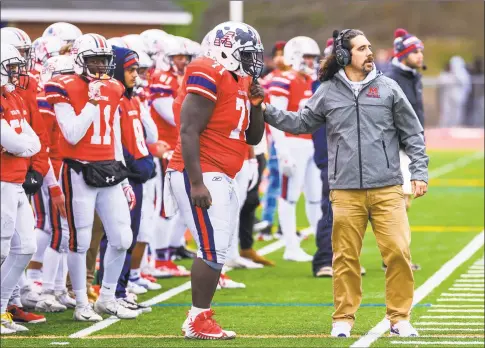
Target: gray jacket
column 362, row 132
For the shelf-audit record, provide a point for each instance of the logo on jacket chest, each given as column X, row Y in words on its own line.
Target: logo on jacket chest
column 373, row 92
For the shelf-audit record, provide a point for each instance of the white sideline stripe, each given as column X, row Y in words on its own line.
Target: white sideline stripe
column 458, row 295
column 429, row 285
column 162, row 297
column 437, row 343
column 451, row 317
column 457, row 306
column 456, row 310
column 467, row 289
column 455, row 165
column 460, row 300
column 470, row 281
column 449, row 329
column 461, row 323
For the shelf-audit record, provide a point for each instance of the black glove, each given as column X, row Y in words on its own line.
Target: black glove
column 33, row 182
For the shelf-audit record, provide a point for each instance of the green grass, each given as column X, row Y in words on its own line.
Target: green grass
column 287, row 300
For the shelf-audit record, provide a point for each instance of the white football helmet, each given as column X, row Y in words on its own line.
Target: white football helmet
column 175, row 46
column 298, row 47
column 144, row 61
column 205, row 45
column 67, row 32
column 45, row 48
column 238, row 48
column 153, row 40
column 117, row 41
column 62, row 64
column 93, row 45
column 11, row 67
column 19, row 39
column 135, row 43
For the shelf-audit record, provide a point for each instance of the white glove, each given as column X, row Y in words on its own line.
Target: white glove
column 168, row 155
column 288, row 167
column 253, row 173
column 130, row 195
column 94, row 92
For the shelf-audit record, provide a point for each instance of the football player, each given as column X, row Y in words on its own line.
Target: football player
column 290, row 90
column 218, row 110
column 92, row 175
column 18, row 143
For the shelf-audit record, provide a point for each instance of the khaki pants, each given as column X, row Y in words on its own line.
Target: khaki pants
column 92, row 252
column 386, row 210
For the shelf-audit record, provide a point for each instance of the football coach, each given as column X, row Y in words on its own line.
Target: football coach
column 365, row 114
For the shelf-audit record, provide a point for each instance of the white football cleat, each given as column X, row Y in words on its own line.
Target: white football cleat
column 155, row 272
column 341, row 329
column 241, row 262
column 204, row 327
column 297, row 255
column 5, row 331
column 9, row 325
column 227, row 283
column 403, row 328
column 144, row 283
column 135, row 288
column 114, row 308
column 29, row 296
column 86, row 313
column 133, row 305
column 63, row 298
column 49, row 304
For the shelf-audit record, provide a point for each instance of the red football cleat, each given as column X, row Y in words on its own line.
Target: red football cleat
column 171, row 268
column 204, row 327
column 149, row 277
column 20, row 316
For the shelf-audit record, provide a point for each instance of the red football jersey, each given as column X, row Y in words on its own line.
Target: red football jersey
column 132, row 134
column 98, row 142
column 294, row 86
column 163, row 84
column 223, row 146
column 40, row 161
column 14, row 110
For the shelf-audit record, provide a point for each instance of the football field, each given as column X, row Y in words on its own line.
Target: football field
column 285, row 306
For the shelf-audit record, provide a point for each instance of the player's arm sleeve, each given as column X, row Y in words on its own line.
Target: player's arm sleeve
column 280, row 102
column 40, row 162
column 25, row 144
column 163, row 106
column 117, row 137
column 279, row 87
column 72, row 126
column 50, row 178
column 203, row 81
column 151, row 131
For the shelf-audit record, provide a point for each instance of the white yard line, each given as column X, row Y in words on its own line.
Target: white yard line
column 447, row 294
column 451, row 317
column 438, row 343
column 424, row 290
column 162, row 297
column 482, row 276
column 469, row 285
column 467, row 289
column 481, row 281
column 460, row 163
column 475, row 271
column 457, row 306
column 446, row 329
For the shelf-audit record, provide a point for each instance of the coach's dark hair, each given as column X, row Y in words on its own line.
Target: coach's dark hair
column 329, row 66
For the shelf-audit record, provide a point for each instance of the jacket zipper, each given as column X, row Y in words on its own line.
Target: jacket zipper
column 385, row 153
column 335, row 167
column 358, row 140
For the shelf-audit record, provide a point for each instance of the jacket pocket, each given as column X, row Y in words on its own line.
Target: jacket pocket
column 335, row 164
column 385, row 152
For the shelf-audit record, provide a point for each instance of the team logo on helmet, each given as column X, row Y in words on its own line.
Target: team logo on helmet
column 244, row 36
column 224, row 39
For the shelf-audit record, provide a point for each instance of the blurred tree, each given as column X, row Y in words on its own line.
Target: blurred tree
column 197, row 8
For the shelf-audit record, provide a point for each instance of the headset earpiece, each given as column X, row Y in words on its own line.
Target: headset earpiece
column 342, row 53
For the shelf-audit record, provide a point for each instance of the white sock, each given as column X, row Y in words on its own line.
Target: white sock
column 287, row 218
column 194, row 311
column 61, row 276
column 107, row 292
column 113, row 265
column 34, row 275
column 135, row 274
column 313, row 213
column 51, row 265
column 43, row 240
column 10, row 273
column 76, row 263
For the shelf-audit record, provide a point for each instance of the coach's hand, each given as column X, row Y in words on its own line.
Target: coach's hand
column 200, row 196
column 419, row 188
column 256, row 93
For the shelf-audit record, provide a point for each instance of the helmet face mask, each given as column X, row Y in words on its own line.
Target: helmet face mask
column 252, row 61
column 13, row 71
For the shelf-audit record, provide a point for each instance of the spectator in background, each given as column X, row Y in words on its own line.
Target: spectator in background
column 455, row 86
column 382, row 60
column 475, row 103
column 404, row 69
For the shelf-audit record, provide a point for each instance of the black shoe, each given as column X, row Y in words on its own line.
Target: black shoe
column 183, row 253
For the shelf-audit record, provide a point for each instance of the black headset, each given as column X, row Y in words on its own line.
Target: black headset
column 342, row 49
